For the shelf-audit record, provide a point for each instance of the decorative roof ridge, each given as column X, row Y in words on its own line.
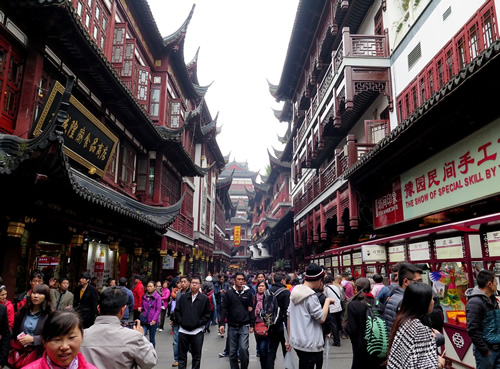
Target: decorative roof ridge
column 181, row 32
column 273, row 89
column 193, row 61
column 278, row 161
column 260, row 186
column 250, row 194
column 206, row 129
column 204, row 170
column 170, row 134
column 196, row 111
column 218, row 130
column 264, row 178
column 202, row 90
column 278, row 153
column 222, row 182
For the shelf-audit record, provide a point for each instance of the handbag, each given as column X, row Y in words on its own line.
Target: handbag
column 143, row 318
column 20, row 356
column 260, row 329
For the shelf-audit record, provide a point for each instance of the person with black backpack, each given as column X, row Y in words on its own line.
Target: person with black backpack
column 276, row 303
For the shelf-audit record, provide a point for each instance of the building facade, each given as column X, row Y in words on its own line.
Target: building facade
column 394, row 142
column 103, row 131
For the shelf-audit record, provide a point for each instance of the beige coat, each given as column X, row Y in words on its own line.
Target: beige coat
column 109, row 345
column 67, row 299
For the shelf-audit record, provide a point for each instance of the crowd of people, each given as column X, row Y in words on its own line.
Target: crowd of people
column 115, row 327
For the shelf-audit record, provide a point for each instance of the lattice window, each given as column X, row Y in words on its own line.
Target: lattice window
column 94, row 16
column 128, row 166
column 473, row 39
column 171, row 185
column 489, row 27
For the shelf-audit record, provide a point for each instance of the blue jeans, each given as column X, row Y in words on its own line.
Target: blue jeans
column 176, row 342
column 262, row 349
column 152, row 332
column 492, row 361
column 238, row 338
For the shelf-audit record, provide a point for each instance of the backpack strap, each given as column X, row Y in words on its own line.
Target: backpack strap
column 331, row 289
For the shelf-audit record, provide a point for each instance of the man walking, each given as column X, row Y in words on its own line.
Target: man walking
column 276, row 331
column 482, row 311
column 305, row 316
column 174, row 322
column 192, row 312
column 220, row 288
column 85, row 300
column 237, row 307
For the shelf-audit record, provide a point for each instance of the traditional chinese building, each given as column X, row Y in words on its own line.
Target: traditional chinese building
column 272, row 221
column 395, row 143
column 238, row 228
column 104, row 127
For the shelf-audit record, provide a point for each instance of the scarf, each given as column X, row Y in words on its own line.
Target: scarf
column 73, row 365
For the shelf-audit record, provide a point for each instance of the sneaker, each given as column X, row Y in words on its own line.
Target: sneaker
column 223, row 354
column 160, row 330
column 175, row 364
column 221, row 336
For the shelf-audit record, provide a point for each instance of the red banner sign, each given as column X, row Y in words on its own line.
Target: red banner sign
column 388, row 205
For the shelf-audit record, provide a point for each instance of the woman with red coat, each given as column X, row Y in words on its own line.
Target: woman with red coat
column 8, row 304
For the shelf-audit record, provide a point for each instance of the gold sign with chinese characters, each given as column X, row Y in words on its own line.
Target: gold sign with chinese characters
column 86, row 139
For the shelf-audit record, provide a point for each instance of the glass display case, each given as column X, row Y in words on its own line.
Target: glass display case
column 450, row 284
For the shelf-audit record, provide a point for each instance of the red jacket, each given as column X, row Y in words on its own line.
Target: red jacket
column 10, row 313
column 138, row 292
column 42, row 363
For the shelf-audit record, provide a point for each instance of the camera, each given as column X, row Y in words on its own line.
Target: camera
column 130, row 324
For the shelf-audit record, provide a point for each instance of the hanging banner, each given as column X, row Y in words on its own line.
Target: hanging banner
column 237, row 235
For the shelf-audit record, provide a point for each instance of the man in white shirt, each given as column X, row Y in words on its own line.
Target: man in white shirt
column 334, row 293
column 192, row 312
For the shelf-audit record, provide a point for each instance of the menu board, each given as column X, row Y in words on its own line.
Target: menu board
column 372, row 253
column 328, row 262
column 346, row 259
column 419, row 251
column 396, row 253
column 335, row 261
column 357, row 258
column 493, row 243
column 449, row 248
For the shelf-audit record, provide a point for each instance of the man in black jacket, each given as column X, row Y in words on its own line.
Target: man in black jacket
column 86, row 299
column 192, row 311
column 276, row 332
column 237, row 307
column 482, row 310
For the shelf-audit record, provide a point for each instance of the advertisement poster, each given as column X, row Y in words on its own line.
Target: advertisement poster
column 100, row 261
column 168, row 262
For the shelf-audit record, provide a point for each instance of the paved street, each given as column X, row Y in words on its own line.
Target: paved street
column 339, row 357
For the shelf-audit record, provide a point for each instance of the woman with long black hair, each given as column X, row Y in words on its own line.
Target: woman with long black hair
column 412, row 344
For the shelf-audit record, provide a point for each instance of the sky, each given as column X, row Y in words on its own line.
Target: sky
column 242, row 45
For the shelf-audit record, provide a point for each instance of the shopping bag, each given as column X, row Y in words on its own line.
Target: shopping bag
column 289, row 361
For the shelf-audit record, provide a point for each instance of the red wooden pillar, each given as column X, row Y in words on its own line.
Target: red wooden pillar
column 353, row 208
column 157, row 197
column 315, row 227
column 322, row 222
column 352, row 154
column 308, row 229
column 340, row 222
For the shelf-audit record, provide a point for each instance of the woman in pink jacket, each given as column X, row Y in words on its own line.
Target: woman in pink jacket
column 150, row 311
column 62, row 336
column 165, row 296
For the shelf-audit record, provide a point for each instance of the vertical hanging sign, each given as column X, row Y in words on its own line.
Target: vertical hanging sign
column 237, row 235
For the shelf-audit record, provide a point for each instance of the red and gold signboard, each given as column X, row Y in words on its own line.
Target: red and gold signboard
column 237, row 235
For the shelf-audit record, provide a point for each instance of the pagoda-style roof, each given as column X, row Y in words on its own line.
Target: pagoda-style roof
column 192, row 68
column 277, row 162
column 277, row 153
column 40, row 168
column 285, row 114
column 239, row 220
column 240, row 170
column 262, row 187
column 419, row 138
column 263, row 178
column 225, row 182
column 206, row 129
column 250, row 194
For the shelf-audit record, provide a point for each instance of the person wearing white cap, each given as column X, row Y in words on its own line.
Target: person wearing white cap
column 305, row 316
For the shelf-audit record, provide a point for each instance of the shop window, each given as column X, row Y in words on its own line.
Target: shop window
column 488, row 26
column 118, row 43
column 376, row 130
column 128, row 167
column 151, row 182
column 11, row 69
column 142, row 174
column 450, row 284
column 143, row 86
column 94, row 17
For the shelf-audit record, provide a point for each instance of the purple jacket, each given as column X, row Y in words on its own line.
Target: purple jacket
column 155, row 301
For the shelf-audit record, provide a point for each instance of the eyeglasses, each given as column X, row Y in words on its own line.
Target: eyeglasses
column 411, row 280
column 240, row 279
